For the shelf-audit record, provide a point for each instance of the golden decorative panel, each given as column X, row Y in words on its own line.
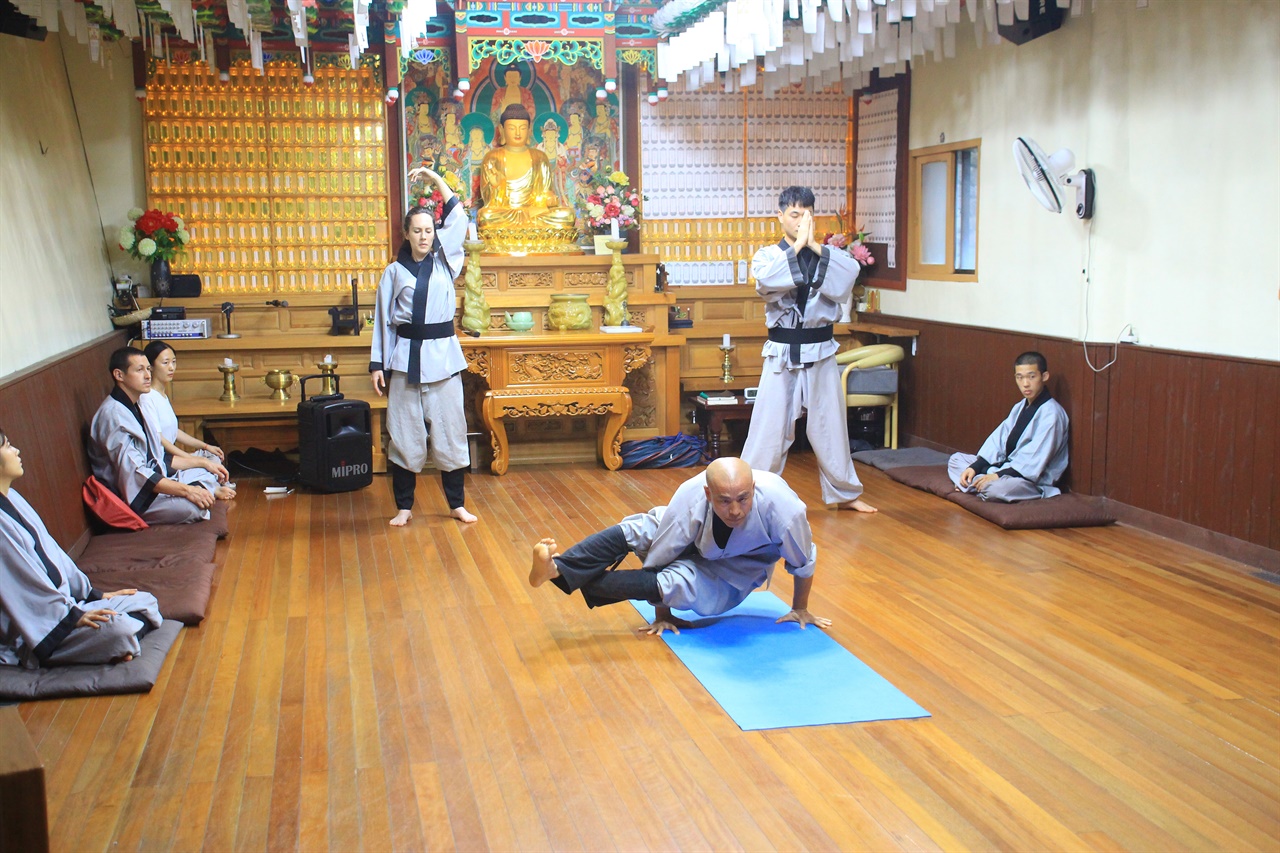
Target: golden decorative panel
column 542, row 367
column 282, row 186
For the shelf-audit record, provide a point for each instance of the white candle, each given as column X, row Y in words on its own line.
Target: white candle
column 226, row 362
column 471, row 232
column 726, row 341
column 328, row 359
column 613, row 229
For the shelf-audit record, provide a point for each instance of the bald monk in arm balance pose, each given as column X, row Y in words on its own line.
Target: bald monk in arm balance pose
column 717, row 540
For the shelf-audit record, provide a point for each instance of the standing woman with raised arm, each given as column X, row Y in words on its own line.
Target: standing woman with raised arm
column 416, row 358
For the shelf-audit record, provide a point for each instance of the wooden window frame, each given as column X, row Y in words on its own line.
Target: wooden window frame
column 944, row 153
column 880, row 275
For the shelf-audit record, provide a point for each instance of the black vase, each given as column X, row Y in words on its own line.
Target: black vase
column 161, row 280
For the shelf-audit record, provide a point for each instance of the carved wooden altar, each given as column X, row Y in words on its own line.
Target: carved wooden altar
column 555, row 374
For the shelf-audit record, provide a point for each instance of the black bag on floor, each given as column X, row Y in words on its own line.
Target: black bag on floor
column 335, row 441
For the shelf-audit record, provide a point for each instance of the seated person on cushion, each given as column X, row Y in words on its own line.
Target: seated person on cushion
column 1027, row 453
column 127, row 453
column 50, row 614
column 718, row 540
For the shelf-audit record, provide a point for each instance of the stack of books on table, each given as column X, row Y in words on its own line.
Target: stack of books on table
column 719, row 398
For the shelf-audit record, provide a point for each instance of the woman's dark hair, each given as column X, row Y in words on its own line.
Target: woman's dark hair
column 3, row 437
column 155, row 349
column 418, row 210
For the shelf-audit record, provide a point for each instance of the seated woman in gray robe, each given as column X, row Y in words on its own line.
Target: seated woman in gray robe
column 50, row 613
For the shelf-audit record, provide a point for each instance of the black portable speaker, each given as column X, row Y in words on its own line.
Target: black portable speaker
column 335, row 441
column 185, row 286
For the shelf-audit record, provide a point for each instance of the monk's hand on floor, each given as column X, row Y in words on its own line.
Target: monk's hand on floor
column 657, row 626
column 804, row 617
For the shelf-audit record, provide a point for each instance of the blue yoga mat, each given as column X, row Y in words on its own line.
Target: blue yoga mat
column 768, row 676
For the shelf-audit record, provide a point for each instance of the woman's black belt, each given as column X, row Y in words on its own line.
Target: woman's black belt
column 815, row 335
column 425, row 331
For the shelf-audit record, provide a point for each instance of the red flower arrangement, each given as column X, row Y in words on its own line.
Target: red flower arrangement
column 154, row 235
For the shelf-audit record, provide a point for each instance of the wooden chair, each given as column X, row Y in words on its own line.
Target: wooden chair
column 875, row 355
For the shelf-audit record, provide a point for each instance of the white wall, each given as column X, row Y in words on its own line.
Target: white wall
column 1176, row 107
column 54, row 278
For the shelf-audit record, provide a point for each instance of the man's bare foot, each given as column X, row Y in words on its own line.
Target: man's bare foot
column 544, row 567
column 225, row 493
column 860, row 505
column 401, row 518
column 462, row 515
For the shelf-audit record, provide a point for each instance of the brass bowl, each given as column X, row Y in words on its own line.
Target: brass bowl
column 280, row 381
column 569, row 311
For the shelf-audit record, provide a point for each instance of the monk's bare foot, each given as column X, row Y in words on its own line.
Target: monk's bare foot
column 462, row 515
column 544, row 568
column 401, row 518
column 860, row 505
column 225, row 493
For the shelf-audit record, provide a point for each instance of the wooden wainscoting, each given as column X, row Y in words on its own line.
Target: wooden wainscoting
column 1186, row 437
column 45, row 410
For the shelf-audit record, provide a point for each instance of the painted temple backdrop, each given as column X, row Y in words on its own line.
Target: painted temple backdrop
column 578, row 133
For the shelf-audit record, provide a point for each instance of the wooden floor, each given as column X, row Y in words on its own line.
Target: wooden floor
column 362, row 688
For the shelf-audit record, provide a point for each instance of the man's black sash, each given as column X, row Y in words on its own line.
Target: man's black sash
column 796, row 337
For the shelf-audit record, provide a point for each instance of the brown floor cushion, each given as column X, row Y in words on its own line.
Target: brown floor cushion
column 182, row 591
column 1065, row 510
column 927, row 478
column 171, row 545
column 137, row 676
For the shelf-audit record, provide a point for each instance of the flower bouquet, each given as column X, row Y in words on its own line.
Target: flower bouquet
column 156, row 237
column 611, row 198
column 854, row 244
column 433, row 201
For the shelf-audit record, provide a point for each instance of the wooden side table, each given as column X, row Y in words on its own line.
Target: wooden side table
column 713, row 418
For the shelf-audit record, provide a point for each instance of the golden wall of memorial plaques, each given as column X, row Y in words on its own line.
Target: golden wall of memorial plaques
column 282, row 184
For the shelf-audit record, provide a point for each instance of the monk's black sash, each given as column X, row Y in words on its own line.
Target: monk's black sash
column 424, row 332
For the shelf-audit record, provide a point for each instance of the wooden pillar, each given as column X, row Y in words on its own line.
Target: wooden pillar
column 395, row 145
column 629, row 127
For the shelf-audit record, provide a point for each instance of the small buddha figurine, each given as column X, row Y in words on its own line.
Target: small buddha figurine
column 517, row 183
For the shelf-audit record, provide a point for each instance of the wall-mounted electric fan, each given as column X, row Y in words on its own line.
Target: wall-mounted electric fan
column 1048, row 177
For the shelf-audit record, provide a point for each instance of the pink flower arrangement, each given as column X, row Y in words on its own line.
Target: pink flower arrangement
column 612, row 197
column 851, row 243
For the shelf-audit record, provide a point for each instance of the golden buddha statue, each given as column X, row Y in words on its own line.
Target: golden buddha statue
column 521, row 210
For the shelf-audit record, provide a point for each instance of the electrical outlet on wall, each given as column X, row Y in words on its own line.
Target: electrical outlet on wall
column 1130, row 336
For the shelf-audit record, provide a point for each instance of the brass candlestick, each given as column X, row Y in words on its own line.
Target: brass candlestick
column 475, row 308
column 615, row 303
column 727, row 376
column 229, row 394
column 328, row 369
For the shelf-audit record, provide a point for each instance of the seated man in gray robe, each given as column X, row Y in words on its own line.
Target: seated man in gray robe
column 127, row 454
column 717, row 540
column 1027, row 454
column 50, row 614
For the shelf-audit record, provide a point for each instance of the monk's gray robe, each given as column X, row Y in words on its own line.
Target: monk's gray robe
column 1029, row 462
column 43, row 595
column 695, row 573
column 126, row 456
column 803, row 294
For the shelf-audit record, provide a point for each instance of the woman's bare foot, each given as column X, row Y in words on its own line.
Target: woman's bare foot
column 860, row 505
column 401, row 518
column 544, row 568
column 462, row 515
column 225, row 493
